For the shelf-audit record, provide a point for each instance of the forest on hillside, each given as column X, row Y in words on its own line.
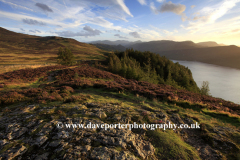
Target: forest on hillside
column 151, row 67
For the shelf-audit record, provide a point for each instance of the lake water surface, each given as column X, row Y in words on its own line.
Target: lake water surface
column 223, row 82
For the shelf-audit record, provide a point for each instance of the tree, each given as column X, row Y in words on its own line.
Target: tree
column 205, row 88
column 65, row 57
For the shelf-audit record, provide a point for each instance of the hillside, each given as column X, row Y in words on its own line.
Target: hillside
column 115, row 43
column 227, row 56
column 206, row 52
column 18, row 48
column 110, row 47
column 37, row 104
column 208, row 44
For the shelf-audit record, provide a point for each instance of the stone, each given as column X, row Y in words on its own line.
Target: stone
column 101, row 114
column 44, row 156
column 55, row 143
column 41, row 140
column 14, row 152
column 20, row 132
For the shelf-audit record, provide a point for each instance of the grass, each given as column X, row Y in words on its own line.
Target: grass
column 223, row 117
column 169, row 146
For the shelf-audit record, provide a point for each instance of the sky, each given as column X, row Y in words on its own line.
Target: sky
column 132, row 20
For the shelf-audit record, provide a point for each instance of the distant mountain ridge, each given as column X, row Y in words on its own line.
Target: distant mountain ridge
column 206, row 52
column 117, row 42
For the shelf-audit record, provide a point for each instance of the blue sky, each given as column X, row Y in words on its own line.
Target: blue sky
column 132, row 20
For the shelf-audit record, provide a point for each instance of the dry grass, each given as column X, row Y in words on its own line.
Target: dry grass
column 9, row 68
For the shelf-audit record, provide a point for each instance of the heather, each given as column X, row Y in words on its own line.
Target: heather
column 83, row 94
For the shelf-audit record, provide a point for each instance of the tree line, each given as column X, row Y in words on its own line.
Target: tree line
column 151, row 67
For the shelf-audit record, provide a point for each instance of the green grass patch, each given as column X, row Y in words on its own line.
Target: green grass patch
column 169, row 146
column 225, row 118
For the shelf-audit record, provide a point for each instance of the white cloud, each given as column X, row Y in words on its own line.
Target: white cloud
column 16, row 5
column 208, row 16
column 142, row 2
column 124, row 7
column 153, row 8
column 160, row 1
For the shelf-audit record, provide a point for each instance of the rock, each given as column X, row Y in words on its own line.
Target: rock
column 117, row 117
column 101, row 114
column 209, row 153
column 20, row 132
column 124, row 155
column 177, row 119
column 62, row 135
column 3, row 142
column 86, row 148
column 14, row 152
column 44, row 156
column 55, row 143
column 45, row 130
column 41, row 140
column 101, row 153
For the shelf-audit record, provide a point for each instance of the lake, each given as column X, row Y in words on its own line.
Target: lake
column 223, row 82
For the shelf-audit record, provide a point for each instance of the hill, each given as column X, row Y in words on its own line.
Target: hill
column 117, row 42
column 206, row 52
column 227, row 56
column 44, row 112
column 110, row 47
column 208, row 44
column 18, row 48
column 163, row 45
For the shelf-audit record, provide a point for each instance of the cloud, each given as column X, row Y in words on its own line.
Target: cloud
column 142, row 2
column 153, row 8
column 193, row 6
column 235, row 30
column 134, row 34
column 35, row 31
column 33, row 22
column 44, row 7
column 207, row 17
column 124, row 7
column 160, row 1
column 119, row 36
column 87, row 32
column 16, row 5
column 172, row 7
column 32, row 31
column 38, row 31
column 22, row 29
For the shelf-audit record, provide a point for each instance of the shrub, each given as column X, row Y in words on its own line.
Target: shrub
column 65, row 57
column 205, row 88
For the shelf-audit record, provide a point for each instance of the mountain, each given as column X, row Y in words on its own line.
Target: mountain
column 110, row 47
column 117, row 42
column 208, row 44
column 18, row 48
column 227, row 56
column 163, row 45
